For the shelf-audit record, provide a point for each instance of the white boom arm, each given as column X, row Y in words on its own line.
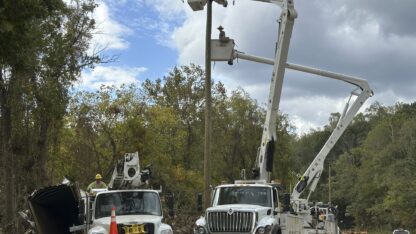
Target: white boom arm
column 312, row 175
column 127, row 174
column 265, row 155
column 223, row 50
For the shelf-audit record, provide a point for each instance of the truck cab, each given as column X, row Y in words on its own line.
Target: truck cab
column 242, row 207
column 138, row 209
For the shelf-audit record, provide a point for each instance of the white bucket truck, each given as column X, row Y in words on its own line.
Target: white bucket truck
column 253, row 206
column 138, row 210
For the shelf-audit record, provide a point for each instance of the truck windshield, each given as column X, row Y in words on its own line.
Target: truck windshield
column 127, row 203
column 245, row 195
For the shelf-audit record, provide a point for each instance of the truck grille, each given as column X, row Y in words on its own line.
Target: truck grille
column 237, row 221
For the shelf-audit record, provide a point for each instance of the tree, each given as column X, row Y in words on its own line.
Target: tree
column 372, row 180
column 101, row 127
column 236, row 134
column 182, row 90
column 44, row 47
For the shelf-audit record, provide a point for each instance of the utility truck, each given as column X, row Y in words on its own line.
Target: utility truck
column 242, row 207
column 258, row 206
column 138, row 209
column 67, row 209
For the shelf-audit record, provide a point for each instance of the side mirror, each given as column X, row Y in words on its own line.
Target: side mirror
column 199, row 202
column 277, row 210
column 170, row 202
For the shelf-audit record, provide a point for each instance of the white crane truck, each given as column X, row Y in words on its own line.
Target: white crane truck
column 67, row 209
column 254, row 206
column 138, row 209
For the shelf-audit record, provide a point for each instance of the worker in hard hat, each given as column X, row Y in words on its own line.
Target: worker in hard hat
column 97, row 184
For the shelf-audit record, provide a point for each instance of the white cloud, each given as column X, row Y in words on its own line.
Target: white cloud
column 190, row 38
column 241, row 22
column 150, row 27
column 169, row 9
column 109, row 33
column 311, row 112
column 339, row 36
column 152, row 18
column 117, row 76
column 389, row 97
column 303, row 126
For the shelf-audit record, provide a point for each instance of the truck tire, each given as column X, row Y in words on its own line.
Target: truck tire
column 276, row 230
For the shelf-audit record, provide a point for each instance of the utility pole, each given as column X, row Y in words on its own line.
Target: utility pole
column 198, row 5
column 208, row 103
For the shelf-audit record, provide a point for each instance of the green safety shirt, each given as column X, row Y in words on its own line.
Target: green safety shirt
column 95, row 185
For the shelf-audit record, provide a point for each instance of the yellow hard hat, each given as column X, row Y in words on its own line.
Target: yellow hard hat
column 98, row 177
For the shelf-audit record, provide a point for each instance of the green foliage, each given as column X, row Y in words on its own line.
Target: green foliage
column 375, row 179
column 44, row 48
column 48, row 133
column 373, row 166
column 236, row 135
column 163, row 120
column 100, row 127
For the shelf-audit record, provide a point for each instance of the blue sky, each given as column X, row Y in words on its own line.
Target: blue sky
column 149, row 42
column 139, row 34
column 371, row 39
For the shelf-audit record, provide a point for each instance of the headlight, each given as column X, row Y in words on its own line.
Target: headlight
column 166, row 232
column 199, row 230
column 264, row 230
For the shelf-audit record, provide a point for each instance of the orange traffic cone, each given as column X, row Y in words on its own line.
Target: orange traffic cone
column 113, row 224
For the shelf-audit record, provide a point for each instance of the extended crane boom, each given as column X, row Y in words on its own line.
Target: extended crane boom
column 264, row 159
column 223, row 50
column 312, row 175
column 298, row 218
